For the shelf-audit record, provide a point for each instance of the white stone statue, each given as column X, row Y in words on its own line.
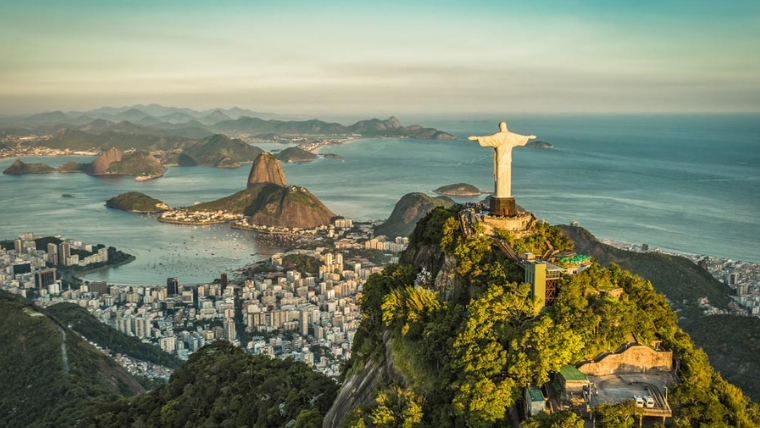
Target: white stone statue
column 502, row 143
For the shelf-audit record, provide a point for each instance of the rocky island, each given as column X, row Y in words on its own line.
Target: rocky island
column 539, row 145
column 460, row 189
column 136, row 202
column 295, row 155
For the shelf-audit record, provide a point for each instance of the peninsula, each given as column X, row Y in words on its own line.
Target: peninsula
column 267, row 204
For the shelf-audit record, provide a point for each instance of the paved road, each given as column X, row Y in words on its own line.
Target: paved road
column 64, row 356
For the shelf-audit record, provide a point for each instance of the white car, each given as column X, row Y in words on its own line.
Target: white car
column 650, row 402
column 639, row 401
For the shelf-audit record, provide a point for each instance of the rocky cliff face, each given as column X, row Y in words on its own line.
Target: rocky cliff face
column 266, row 169
column 408, row 211
column 360, row 389
column 101, row 164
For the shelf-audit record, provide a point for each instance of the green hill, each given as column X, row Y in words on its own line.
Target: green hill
column 222, row 386
column 678, row 278
column 271, row 205
column 459, row 189
column 408, row 211
column 218, row 151
column 39, row 387
column 237, row 202
column 459, row 351
column 295, row 155
column 136, row 202
column 81, row 321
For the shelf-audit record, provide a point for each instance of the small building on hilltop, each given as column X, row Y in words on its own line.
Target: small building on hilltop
column 574, row 387
column 535, row 402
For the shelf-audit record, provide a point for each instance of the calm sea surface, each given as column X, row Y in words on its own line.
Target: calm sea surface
column 685, row 183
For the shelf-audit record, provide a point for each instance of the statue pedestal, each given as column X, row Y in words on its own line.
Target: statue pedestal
column 503, row 207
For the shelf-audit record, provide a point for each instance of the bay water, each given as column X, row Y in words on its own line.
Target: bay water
column 682, row 183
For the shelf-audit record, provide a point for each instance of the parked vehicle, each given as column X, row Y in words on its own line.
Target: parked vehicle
column 639, row 401
column 650, row 402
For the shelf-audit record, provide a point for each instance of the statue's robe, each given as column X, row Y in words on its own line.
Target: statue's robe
column 502, row 143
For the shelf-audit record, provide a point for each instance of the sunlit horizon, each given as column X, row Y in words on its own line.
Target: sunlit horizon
column 339, row 58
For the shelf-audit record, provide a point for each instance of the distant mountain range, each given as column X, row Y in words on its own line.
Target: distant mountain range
column 159, row 121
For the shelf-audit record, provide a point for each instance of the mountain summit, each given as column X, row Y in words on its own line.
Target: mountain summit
column 266, row 169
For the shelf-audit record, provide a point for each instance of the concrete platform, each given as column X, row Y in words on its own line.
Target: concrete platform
column 618, row 388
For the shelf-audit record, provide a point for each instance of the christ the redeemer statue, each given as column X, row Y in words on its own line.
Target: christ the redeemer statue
column 502, row 142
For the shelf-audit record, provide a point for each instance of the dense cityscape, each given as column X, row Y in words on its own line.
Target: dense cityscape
column 271, row 307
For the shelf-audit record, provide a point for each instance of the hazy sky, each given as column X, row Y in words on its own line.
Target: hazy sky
column 382, row 57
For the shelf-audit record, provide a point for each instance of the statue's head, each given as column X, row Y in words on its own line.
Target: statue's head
column 503, row 126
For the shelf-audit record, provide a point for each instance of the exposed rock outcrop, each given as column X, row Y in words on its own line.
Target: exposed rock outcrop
column 101, row 164
column 359, row 389
column 266, row 169
column 408, row 211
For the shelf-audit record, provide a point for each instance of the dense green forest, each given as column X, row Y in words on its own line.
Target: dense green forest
column 39, row 388
column 80, row 320
column 465, row 360
column 222, row 386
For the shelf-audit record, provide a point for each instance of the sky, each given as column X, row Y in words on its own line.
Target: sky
column 383, row 57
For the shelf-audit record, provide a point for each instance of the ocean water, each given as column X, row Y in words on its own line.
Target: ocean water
column 684, row 183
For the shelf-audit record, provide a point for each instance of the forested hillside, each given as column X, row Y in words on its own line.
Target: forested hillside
column 463, row 361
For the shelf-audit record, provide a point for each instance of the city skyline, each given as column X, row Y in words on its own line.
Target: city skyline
column 338, row 58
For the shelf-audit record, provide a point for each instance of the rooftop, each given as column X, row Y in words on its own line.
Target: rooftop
column 535, row 394
column 570, row 373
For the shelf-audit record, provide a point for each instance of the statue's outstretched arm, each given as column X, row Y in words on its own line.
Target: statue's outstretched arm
column 473, row 138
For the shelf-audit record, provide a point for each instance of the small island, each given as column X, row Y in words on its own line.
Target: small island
column 295, row 155
column 539, row 145
column 460, row 189
column 136, row 202
column 332, row 156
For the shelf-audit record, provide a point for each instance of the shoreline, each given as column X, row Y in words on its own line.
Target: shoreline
column 79, row 276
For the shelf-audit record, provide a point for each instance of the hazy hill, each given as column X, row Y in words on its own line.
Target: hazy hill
column 219, row 151
column 136, row 202
column 368, row 128
column 295, row 155
column 177, row 117
column 215, row 116
column 19, row 167
column 41, row 387
column 80, row 140
column 408, row 211
column 132, row 115
column 84, row 323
